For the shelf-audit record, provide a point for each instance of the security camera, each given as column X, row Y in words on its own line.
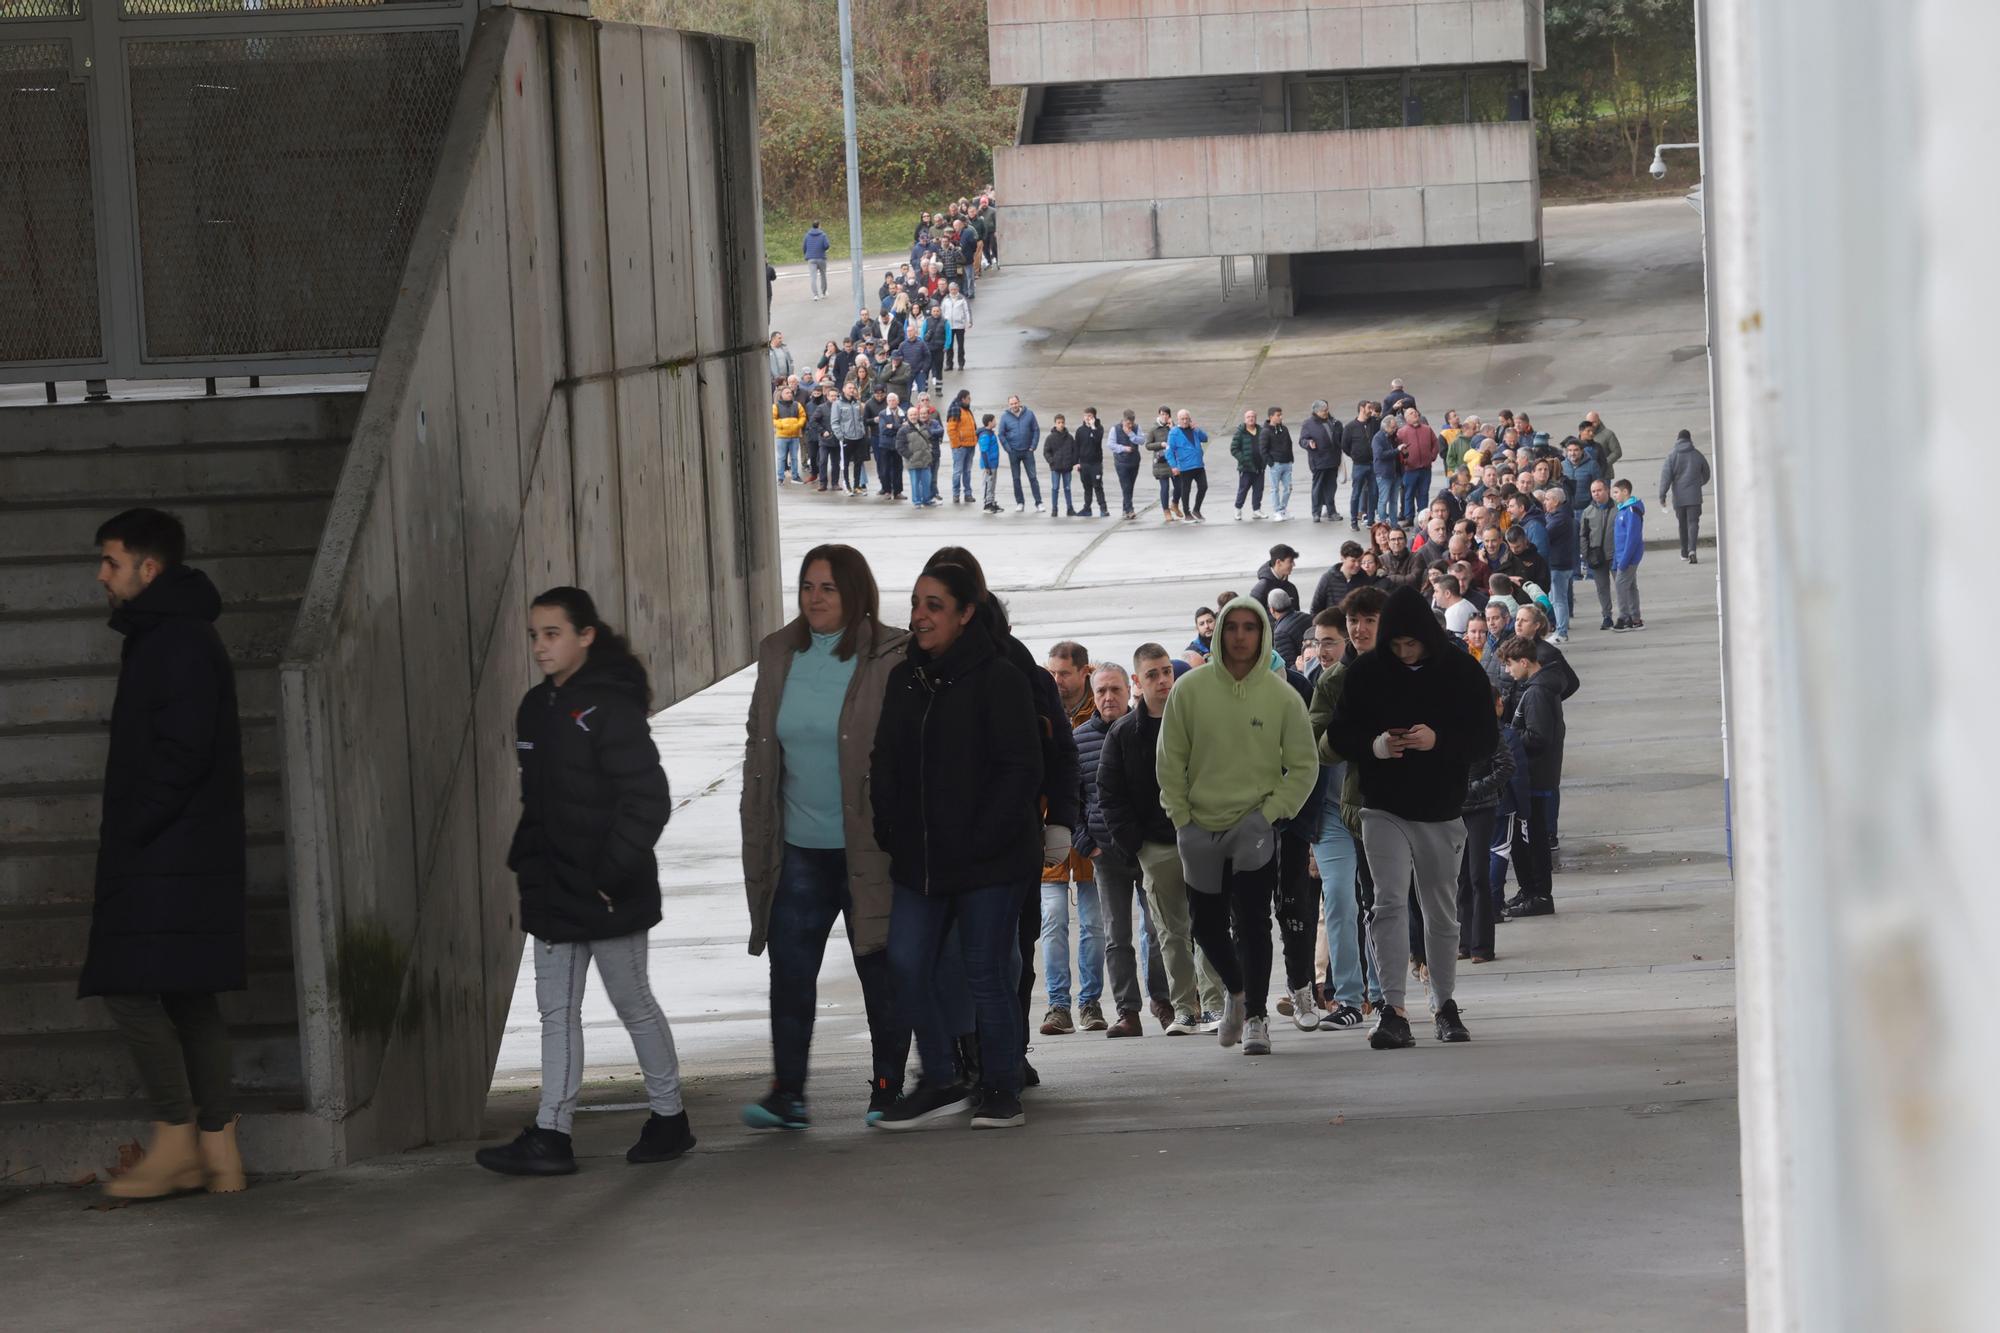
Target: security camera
column 1659, row 167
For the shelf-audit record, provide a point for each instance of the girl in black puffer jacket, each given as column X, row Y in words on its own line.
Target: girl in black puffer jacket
column 594, row 800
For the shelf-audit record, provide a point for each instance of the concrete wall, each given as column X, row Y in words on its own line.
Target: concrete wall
column 571, row 389
column 1086, row 41
column 1269, row 193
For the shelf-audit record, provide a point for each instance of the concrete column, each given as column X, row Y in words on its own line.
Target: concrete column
column 1280, row 295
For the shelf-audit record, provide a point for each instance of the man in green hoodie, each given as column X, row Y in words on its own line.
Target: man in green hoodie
column 1236, row 758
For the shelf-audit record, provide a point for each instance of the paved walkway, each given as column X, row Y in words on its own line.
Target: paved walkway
column 1574, row 1167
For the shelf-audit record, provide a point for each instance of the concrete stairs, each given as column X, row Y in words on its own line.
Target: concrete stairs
column 251, row 477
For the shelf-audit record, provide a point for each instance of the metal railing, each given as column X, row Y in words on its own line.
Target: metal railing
column 195, row 188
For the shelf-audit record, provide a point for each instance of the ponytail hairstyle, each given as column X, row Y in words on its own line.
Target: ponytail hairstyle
column 964, row 586
column 991, row 608
column 609, row 646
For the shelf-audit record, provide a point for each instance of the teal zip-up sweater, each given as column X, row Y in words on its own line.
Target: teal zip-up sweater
column 809, row 732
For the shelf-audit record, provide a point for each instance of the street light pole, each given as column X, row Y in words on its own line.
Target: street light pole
column 853, row 152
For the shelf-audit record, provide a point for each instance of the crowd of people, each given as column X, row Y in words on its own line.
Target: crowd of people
column 868, row 398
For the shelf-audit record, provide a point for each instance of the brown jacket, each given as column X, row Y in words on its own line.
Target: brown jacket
column 763, row 784
column 1076, row 867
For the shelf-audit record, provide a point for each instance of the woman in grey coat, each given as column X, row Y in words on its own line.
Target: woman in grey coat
column 1681, row 478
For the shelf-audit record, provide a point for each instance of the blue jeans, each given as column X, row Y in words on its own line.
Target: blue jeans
column 1388, row 492
column 1166, row 494
column 923, row 485
column 1090, row 943
column 812, row 891
column 961, row 473
column 1416, row 493
column 1561, row 595
column 1280, row 476
column 1361, row 502
column 1334, row 852
column 1059, row 485
column 1017, row 462
column 788, row 453
column 987, row 936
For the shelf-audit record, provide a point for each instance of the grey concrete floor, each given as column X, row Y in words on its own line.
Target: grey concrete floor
column 1573, row 1168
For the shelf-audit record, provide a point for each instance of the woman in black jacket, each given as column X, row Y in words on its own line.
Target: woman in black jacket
column 593, row 802
column 955, row 782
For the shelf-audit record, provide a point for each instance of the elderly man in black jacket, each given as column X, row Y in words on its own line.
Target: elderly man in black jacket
column 1128, row 797
column 1320, row 438
column 166, row 930
column 1116, row 871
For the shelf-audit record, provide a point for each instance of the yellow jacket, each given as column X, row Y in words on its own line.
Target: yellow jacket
column 788, row 427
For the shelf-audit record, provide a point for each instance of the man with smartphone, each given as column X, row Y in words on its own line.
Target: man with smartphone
column 1414, row 714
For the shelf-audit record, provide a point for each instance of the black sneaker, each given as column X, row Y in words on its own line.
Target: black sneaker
column 1344, row 1016
column 663, row 1138
column 1392, row 1030
column 778, row 1110
column 1029, row 1078
column 998, row 1110
column 1449, row 1025
column 1531, row 907
column 925, row 1103
column 882, row 1095
column 537, row 1152
column 1605, row 625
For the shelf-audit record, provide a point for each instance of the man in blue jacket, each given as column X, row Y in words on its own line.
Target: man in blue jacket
column 1628, row 546
column 817, row 244
column 1559, row 522
column 1019, row 434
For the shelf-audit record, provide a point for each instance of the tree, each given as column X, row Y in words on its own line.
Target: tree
column 1635, row 58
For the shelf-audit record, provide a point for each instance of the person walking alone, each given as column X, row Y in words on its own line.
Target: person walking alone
column 167, row 920
column 594, row 801
column 815, row 247
column 1681, row 478
column 809, row 850
column 1236, row 759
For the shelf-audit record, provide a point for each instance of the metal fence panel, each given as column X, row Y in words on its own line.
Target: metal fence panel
column 278, row 179
column 152, row 8
column 40, row 9
column 48, row 233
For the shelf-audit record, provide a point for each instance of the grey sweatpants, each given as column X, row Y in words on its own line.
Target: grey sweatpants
column 1626, row 582
column 181, row 1047
column 1397, row 850
column 621, row 965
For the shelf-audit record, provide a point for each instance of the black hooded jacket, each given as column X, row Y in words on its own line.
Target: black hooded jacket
column 1446, row 690
column 1357, row 439
column 956, row 776
column 1128, row 782
column 169, row 914
column 593, row 802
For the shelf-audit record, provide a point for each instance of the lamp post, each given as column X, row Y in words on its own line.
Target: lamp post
column 853, row 152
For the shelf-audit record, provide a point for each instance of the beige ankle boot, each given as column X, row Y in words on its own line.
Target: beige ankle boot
column 171, row 1164
column 221, row 1164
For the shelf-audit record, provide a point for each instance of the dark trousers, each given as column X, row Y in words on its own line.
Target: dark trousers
column 1298, row 908
column 1251, row 485
column 1092, row 481
column 1241, row 911
column 919, row 927
column 889, row 470
column 1028, row 942
column 1533, row 852
column 1475, row 894
column 1690, row 521
column 1326, row 493
column 1060, row 488
column 1190, row 489
column 1128, row 477
column 954, row 351
column 1018, row 462
column 1361, row 502
column 181, row 1048
column 812, row 891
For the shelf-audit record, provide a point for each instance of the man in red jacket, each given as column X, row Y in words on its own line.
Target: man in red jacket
column 1417, row 443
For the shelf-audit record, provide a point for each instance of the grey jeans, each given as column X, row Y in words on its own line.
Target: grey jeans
column 816, row 271
column 1118, row 885
column 181, row 1048
column 1626, row 582
column 1399, row 849
column 621, row 965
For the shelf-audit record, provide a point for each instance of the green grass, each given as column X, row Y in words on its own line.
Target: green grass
column 885, row 229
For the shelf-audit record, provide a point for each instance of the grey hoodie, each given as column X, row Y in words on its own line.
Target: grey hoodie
column 1683, row 474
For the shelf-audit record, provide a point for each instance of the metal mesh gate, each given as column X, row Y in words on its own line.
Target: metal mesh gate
column 204, row 187
column 48, row 232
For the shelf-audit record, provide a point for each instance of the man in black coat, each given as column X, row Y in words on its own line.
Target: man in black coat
column 1357, row 441
column 1320, row 438
column 167, row 927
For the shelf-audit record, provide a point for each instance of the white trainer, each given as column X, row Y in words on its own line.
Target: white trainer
column 1230, row 1030
column 1304, row 1016
column 1257, row 1037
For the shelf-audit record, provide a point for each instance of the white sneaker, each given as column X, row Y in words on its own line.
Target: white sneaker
column 1022, row 509
column 1239, row 516
column 1230, row 1030
column 1254, row 514
column 1281, row 517
column 1257, row 1037
column 1304, row 1016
